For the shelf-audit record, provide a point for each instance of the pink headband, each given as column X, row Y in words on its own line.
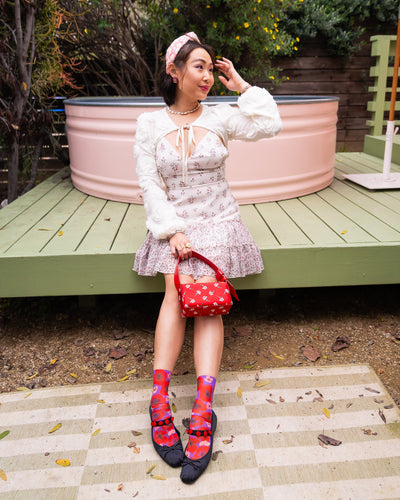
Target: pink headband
column 176, row 46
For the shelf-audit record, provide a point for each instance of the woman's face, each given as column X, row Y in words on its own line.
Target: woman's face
column 196, row 78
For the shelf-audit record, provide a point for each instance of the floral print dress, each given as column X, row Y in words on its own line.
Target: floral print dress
column 200, row 194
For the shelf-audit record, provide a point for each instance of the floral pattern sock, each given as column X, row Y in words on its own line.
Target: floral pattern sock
column 163, row 435
column 198, row 446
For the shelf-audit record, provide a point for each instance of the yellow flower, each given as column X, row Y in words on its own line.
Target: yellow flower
column 255, row 9
column 85, row 30
column 297, row 39
column 275, row 25
column 175, row 11
column 277, row 19
column 278, row 48
column 272, row 77
column 266, row 48
column 214, row 24
column 273, row 37
column 295, row 48
column 272, row 15
column 238, row 37
column 287, row 78
column 259, row 1
column 208, row 6
column 246, row 24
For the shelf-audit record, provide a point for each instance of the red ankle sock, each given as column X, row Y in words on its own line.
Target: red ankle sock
column 163, row 435
column 198, row 446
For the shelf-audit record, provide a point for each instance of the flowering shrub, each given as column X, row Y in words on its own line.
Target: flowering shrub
column 250, row 33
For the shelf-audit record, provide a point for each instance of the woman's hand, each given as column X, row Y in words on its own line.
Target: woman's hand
column 180, row 246
column 233, row 80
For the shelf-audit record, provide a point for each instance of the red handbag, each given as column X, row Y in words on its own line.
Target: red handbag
column 205, row 299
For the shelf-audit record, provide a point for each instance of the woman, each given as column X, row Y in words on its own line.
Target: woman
column 181, row 152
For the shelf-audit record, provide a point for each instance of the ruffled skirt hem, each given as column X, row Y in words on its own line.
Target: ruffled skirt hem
column 228, row 245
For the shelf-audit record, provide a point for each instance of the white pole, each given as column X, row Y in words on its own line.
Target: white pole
column 387, row 159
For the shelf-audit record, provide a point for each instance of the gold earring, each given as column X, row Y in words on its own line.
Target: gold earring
column 175, row 80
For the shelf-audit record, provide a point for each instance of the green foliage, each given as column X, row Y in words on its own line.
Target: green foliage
column 249, row 33
column 338, row 23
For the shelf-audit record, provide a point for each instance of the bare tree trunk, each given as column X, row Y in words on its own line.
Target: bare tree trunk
column 12, row 166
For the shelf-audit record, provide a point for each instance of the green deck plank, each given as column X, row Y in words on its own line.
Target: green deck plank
column 281, row 225
column 101, row 235
column 77, row 226
column 383, row 197
column 370, row 223
column 17, row 207
column 132, row 231
column 261, row 233
column 311, row 222
column 367, row 203
column 349, row 231
column 14, row 230
column 49, row 227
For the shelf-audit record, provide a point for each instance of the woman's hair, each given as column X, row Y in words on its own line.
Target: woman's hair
column 167, row 86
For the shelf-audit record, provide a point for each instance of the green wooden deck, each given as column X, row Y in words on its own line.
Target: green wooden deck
column 56, row 240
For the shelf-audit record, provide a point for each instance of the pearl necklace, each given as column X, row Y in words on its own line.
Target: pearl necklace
column 183, row 112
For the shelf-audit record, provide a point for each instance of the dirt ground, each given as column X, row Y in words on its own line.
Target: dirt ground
column 52, row 341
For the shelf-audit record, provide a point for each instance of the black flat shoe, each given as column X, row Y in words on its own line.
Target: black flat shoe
column 172, row 455
column 193, row 469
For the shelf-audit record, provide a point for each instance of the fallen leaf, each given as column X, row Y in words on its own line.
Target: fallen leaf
column 136, row 433
column 326, row 412
column 239, row 392
column 136, row 494
column 53, row 361
column 123, row 378
column 107, row 369
column 95, row 432
column 151, row 469
column 60, row 233
column 371, row 390
column 249, row 366
column 341, row 343
column 132, row 444
column 74, row 375
column 228, row 441
column 319, row 394
column 378, row 401
column 298, row 398
column 343, row 232
column 117, row 353
column 277, row 355
column 119, row 335
column 382, row 415
column 131, row 372
column 33, row 376
column 331, row 407
column 89, row 351
column 120, row 486
column 173, row 407
column 159, row 478
column 4, row 434
column 388, row 407
column 214, row 456
column 329, row 440
column 25, row 86
column 281, row 399
column 22, row 388
column 261, row 383
column 311, row 353
column 136, row 450
column 380, row 371
column 27, row 396
column 3, row 475
column 348, row 405
column 100, row 401
column 55, row 428
column 318, row 399
column 271, row 401
column 64, row 462
column 368, row 432
column 186, row 422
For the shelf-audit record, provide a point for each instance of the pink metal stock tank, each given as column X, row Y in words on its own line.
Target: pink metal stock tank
column 298, row 161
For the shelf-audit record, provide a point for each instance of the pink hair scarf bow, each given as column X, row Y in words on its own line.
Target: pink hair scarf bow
column 176, row 46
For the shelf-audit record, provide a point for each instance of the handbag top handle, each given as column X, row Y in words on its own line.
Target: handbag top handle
column 218, row 273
